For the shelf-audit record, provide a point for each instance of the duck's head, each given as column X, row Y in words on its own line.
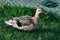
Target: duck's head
column 40, row 10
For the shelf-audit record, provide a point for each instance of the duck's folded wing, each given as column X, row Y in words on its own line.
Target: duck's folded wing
column 24, row 20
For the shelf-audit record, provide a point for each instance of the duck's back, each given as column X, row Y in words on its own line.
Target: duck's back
column 23, row 17
column 26, row 17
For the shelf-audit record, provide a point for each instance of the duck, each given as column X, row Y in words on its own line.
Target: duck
column 26, row 22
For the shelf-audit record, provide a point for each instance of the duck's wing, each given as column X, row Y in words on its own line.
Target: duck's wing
column 24, row 20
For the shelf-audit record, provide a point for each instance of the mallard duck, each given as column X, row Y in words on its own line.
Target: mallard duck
column 25, row 22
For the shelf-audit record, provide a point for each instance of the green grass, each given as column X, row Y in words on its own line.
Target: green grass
column 49, row 25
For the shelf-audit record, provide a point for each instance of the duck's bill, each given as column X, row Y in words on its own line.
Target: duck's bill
column 45, row 12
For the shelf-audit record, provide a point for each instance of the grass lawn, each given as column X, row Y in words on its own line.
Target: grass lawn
column 49, row 25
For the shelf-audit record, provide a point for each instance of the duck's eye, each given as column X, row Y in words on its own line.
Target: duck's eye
column 39, row 10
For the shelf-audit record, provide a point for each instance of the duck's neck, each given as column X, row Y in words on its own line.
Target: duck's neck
column 36, row 15
column 36, row 19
